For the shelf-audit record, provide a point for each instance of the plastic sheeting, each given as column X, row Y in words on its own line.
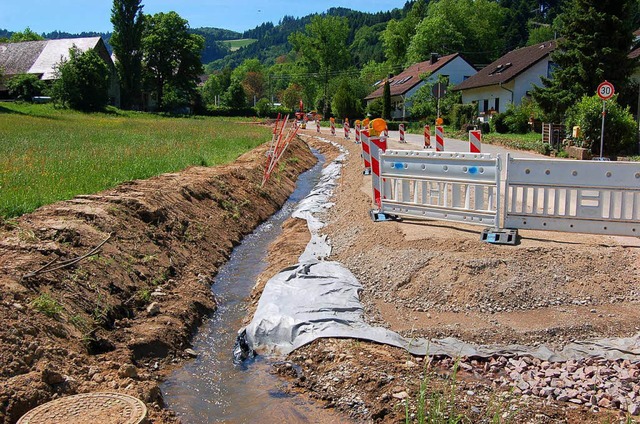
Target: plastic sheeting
column 320, row 299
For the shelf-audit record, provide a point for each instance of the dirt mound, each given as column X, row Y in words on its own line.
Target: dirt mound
column 103, row 292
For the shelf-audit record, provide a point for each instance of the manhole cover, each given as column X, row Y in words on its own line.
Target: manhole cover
column 89, row 408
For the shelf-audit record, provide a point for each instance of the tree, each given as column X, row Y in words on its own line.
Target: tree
column 397, row 35
column 82, row 81
column 25, row 86
column 235, row 97
column 26, row 35
column 346, row 102
column 470, row 26
column 386, row 101
column 126, row 40
column 324, row 47
column 171, row 55
column 597, row 38
column 292, row 95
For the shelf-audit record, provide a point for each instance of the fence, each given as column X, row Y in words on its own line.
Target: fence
column 460, row 187
column 539, row 194
column 573, row 196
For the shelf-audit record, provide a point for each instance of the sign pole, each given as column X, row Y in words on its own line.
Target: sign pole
column 605, row 92
column 604, row 113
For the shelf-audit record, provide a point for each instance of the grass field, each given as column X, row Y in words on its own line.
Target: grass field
column 238, row 44
column 48, row 155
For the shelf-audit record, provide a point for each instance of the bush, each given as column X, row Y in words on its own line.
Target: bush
column 375, row 108
column 263, row 107
column 498, row 124
column 83, row 81
column 620, row 127
column 25, row 87
column 462, row 115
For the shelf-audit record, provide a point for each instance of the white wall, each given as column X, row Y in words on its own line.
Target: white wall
column 457, row 69
column 520, row 86
column 490, row 93
column 526, row 80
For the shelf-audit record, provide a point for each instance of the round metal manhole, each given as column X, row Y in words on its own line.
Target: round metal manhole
column 89, row 408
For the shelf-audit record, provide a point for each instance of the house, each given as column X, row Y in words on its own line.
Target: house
column 509, row 79
column 454, row 67
column 41, row 57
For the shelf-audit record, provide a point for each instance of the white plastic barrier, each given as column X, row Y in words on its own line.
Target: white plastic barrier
column 573, row 196
column 449, row 186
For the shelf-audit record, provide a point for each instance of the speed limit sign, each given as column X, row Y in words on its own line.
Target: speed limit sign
column 606, row 90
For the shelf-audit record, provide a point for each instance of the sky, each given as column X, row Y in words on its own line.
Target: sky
column 76, row 16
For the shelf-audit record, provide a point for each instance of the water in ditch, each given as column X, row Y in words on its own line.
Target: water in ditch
column 211, row 388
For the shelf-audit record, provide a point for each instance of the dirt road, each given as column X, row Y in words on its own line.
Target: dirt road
column 437, row 280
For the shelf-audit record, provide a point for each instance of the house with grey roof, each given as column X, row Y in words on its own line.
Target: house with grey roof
column 453, row 67
column 41, row 58
column 508, row 80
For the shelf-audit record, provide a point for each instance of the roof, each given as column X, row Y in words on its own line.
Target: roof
column 41, row 57
column 17, row 58
column 508, row 66
column 56, row 50
column 410, row 77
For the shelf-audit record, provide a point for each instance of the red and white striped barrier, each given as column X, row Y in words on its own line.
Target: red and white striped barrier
column 401, row 128
column 386, row 132
column 378, row 144
column 347, row 130
column 427, row 137
column 475, row 141
column 358, row 130
column 439, row 139
column 366, row 151
column 318, row 126
column 333, row 128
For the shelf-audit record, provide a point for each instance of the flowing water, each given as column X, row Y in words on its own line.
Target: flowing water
column 211, row 388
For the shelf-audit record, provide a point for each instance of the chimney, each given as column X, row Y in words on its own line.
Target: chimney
column 434, row 58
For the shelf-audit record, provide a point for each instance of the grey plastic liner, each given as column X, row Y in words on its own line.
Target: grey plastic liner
column 320, row 299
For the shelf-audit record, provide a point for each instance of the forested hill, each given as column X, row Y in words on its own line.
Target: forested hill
column 213, row 50
column 364, row 36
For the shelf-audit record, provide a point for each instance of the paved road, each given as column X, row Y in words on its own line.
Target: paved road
column 416, row 141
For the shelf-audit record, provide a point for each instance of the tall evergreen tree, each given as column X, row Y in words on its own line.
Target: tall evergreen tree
column 128, row 24
column 597, row 38
column 386, row 101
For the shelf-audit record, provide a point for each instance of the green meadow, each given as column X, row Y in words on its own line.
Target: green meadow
column 239, row 43
column 49, row 154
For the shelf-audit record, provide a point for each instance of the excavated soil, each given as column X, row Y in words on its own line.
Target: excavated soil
column 437, row 279
column 122, row 315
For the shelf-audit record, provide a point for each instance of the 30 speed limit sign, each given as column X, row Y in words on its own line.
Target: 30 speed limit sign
column 606, row 90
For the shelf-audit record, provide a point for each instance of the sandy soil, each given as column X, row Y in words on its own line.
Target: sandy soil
column 120, row 319
column 437, row 279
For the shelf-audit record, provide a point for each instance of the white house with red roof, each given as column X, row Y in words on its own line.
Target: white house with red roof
column 403, row 86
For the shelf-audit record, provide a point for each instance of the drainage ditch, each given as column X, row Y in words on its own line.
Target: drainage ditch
column 212, row 388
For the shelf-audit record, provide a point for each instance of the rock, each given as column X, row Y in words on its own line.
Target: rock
column 153, row 309
column 128, row 371
column 52, row 377
column 193, row 354
column 401, row 395
column 634, row 409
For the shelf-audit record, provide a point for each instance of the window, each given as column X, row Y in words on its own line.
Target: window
column 497, row 105
column 485, row 105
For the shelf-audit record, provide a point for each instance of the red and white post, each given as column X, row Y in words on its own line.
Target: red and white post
column 366, row 151
column 347, row 130
column 378, row 145
column 358, row 131
column 439, row 139
column 333, row 128
column 401, row 128
column 427, row 137
column 318, row 126
column 475, row 141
